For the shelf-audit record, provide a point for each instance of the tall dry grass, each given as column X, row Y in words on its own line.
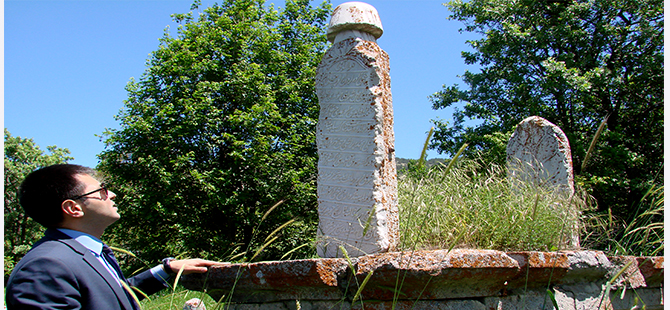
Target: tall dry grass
column 465, row 204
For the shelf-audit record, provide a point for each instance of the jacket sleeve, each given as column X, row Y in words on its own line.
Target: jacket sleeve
column 37, row 287
column 147, row 283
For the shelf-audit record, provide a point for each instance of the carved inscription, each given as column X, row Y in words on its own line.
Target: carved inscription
column 345, row 79
column 348, row 212
column 358, row 178
column 341, row 126
column 345, row 160
column 347, row 143
column 340, row 96
column 350, row 195
column 344, row 228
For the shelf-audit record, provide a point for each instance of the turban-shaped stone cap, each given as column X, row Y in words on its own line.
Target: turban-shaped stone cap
column 355, row 16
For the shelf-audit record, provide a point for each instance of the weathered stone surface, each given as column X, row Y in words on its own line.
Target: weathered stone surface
column 539, row 152
column 194, row 304
column 354, row 16
column 586, row 266
column 457, row 279
column 357, row 183
column 455, row 274
column 626, row 272
column 272, row 281
column 538, row 268
column 635, row 299
column 586, row 295
column 652, row 270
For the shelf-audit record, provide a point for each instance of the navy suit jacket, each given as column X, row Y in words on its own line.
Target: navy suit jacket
column 60, row 273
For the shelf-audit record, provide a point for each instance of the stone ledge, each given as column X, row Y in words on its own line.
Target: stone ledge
column 429, row 275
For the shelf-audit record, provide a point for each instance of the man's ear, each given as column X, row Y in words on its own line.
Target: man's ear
column 72, row 209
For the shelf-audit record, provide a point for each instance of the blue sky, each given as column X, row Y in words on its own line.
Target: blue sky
column 67, row 63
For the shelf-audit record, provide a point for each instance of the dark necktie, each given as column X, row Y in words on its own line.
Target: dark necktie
column 108, row 255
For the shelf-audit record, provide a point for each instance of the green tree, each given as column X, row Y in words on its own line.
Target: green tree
column 219, row 129
column 23, row 156
column 575, row 63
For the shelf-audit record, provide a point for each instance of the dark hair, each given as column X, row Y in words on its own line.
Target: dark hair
column 44, row 190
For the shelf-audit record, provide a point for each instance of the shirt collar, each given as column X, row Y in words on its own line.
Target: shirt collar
column 92, row 243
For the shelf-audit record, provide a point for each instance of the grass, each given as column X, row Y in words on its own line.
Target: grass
column 641, row 236
column 174, row 299
column 466, row 205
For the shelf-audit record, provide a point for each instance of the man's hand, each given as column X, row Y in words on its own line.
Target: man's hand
column 194, row 265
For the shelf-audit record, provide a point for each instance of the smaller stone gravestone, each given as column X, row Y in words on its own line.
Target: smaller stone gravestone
column 539, row 153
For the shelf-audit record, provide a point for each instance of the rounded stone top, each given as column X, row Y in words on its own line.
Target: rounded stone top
column 354, row 16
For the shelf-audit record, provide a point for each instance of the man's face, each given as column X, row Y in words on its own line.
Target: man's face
column 99, row 209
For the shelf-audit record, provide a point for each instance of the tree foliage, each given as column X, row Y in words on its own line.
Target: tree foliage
column 220, row 128
column 575, row 63
column 23, row 156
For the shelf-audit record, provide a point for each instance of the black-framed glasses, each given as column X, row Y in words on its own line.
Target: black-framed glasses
column 104, row 193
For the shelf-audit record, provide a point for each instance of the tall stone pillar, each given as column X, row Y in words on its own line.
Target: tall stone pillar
column 357, row 183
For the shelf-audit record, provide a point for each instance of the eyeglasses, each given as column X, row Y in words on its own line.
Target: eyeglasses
column 104, row 193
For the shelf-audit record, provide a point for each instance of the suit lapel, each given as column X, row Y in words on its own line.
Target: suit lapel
column 94, row 263
column 111, row 281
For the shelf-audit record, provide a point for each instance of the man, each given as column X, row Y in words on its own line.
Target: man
column 70, row 268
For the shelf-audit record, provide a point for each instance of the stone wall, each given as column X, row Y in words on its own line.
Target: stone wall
column 441, row 279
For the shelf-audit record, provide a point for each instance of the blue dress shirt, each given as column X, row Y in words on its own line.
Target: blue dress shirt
column 94, row 245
